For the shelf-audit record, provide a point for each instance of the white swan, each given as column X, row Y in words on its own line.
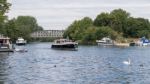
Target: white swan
column 128, row 62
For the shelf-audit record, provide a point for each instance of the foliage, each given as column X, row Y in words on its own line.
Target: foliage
column 117, row 25
column 21, row 26
column 137, row 27
column 119, row 21
column 4, row 7
column 89, row 36
column 103, row 19
column 105, row 31
column 75, row 30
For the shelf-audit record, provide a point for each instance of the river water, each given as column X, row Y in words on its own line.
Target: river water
column 88, row 65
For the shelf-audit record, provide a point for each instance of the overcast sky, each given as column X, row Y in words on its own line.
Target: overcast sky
column 58, row 14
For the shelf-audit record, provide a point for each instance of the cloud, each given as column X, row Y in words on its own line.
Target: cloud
column 58, row 14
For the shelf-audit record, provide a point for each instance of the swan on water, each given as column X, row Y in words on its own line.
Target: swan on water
column 127, row 62
column 21, row 50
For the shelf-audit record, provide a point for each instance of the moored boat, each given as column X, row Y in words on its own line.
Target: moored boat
column 64, row 44
column 21, row 41
column 6, row 45
column 143, row 42
column 105, row 41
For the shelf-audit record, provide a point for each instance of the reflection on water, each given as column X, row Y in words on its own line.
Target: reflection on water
column 3, row 67
column 88, row 65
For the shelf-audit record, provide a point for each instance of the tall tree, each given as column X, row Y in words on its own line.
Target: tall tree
column 117, row 25
column 103, row 19
column 4, row 7
column 119, row 20
column 76, row 30
column 22, row 26
column 137, row 27
column 105, row 31
column 89, row 36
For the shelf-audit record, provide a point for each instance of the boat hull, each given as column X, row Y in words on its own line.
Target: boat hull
column 6, row 48
column 20, row 44
column 105, row 44
column 65, row 46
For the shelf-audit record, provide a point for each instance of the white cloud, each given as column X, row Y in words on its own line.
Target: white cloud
column 58, row 14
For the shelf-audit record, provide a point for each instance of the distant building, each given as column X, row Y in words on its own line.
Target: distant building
column 48, row 33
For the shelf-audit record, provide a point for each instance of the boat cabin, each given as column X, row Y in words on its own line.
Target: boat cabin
column 5, row 44
column 144, row 42
column 105, row 41
column 58, row 41
column 21, row 41
column 64, row 44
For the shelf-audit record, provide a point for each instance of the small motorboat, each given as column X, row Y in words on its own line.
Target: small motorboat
column 143, row 42
column 105, row 42
column 64, row 44
column 21, row 41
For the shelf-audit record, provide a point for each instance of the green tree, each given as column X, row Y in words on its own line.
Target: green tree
column 105, row 32
column 11, row 30
column 89, row 36
column 119, row 19
column 117, row 25
column 22, row 26
column 103, row 19
column 137, row 27
column 77, row 28
column 4, row 7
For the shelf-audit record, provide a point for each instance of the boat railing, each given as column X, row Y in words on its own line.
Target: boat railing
column 4, row 45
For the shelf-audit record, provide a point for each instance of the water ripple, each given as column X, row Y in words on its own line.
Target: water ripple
column 88, row 65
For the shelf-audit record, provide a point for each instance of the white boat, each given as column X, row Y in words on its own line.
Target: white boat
column 143, row 42
column 105, row 41
column 21, row 41
column 64, row 44
column 6, row 45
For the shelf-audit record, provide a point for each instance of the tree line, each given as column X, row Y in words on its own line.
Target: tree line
column 22, row 26
column 118, row 25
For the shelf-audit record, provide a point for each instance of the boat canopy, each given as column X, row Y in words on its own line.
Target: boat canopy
column 20, row 38
column 144, row 40
column 105, row 39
